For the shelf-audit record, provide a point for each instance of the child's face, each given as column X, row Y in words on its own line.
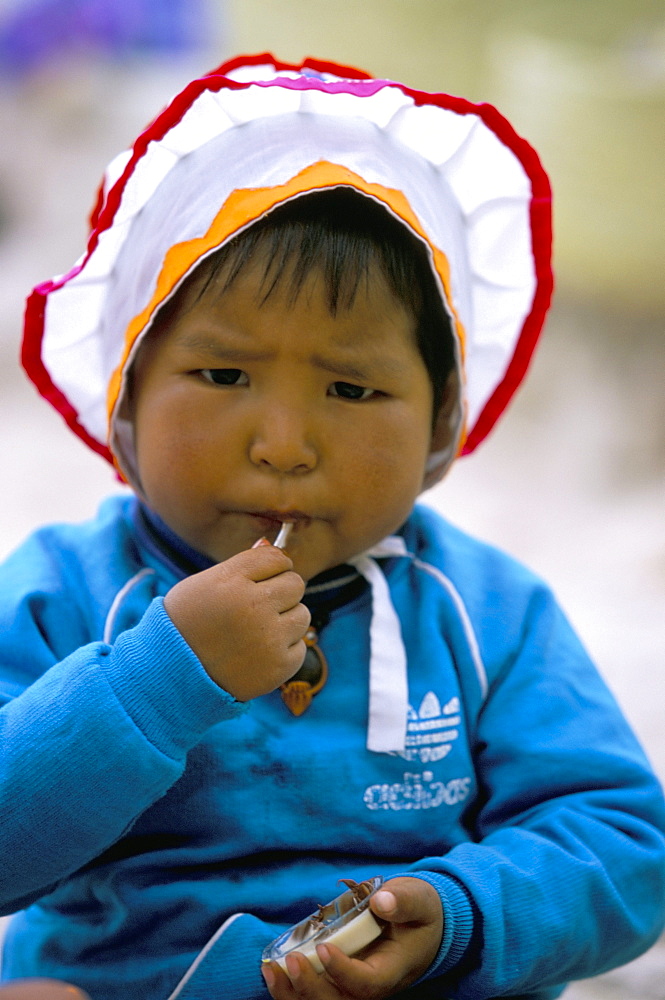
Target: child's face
column 250, row 414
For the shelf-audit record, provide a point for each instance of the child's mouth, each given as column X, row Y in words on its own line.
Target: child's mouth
column 277, row 526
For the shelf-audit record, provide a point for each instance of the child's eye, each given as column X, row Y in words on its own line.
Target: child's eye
column 347, row 390
column 224, row 376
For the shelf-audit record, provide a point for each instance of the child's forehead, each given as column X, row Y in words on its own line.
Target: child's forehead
column 212, row 311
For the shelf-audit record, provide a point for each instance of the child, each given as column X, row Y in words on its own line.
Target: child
column 305, row 293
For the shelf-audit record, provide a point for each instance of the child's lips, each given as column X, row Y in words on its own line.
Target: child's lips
column 294, row 517
column 271, row 520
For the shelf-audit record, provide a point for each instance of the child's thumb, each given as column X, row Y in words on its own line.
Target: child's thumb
column 384, row 904
column 406, row 900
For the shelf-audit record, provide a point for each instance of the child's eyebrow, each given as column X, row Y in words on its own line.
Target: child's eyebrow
column 369, row 369
column 211, row 347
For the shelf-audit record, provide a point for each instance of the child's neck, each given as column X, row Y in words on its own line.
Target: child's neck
column 156, row 535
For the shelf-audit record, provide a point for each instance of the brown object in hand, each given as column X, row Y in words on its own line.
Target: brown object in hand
column 41, row 989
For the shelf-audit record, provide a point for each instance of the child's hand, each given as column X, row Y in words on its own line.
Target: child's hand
column 41, row 989
column 406, row 949
column 244, row 621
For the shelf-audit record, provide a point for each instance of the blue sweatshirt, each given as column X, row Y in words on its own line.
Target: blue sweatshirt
column 156, row 834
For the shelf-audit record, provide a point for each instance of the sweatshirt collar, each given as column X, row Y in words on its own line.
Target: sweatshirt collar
column 388, row 690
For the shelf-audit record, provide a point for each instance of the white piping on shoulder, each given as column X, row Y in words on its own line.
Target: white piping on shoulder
column 119, row 598
column 321, row 588
column 202, row 954
column 471, row 638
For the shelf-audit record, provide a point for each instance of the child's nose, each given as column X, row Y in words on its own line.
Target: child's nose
column 282, row 443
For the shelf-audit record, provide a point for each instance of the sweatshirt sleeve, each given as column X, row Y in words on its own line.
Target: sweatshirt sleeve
column 89, row 741
column 565, row 875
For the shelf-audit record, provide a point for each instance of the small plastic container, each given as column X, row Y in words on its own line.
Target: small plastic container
column 346, row 922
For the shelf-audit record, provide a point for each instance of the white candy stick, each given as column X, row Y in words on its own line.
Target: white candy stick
column 282, row 537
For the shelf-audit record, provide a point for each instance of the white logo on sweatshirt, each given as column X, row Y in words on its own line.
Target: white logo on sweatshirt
column 417, row 791
column 431, row 731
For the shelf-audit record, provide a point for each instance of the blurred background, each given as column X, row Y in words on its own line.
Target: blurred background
column 573, row 479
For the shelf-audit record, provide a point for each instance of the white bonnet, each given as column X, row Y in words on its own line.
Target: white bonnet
column 256, row 132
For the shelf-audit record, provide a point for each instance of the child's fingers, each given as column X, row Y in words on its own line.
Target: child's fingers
column 282, row 987
column 281, row 593
column 378, row 974
column 294, row 622
column 344, row 979
column 259, row 563
column 271, row 570
column 261, row 542
column 301, row 983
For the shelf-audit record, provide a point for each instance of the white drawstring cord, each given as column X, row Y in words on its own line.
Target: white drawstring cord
column 388, row 687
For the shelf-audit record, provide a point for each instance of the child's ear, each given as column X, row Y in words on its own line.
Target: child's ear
column 445, row 432
column 446, row 422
